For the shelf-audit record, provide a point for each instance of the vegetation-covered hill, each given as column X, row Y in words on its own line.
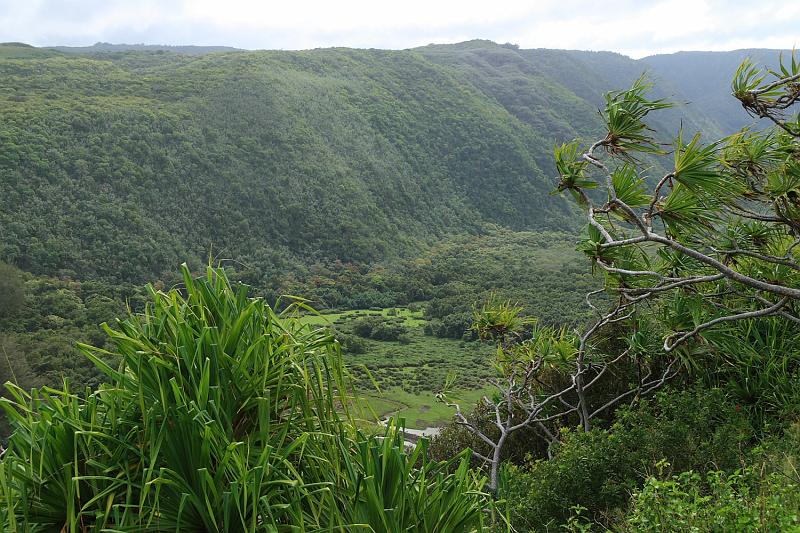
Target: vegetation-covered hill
column 705, row 79
column 110, row 47
column 530, row 85
column 121, row 164
column 356, row 178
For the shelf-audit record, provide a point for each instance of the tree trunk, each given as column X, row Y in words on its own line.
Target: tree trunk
column 495, row 470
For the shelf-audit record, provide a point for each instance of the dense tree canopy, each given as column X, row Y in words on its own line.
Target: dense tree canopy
column 12, row 290
column 121, row 164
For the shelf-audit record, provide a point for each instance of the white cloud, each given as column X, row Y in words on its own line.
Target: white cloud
column 633, row 27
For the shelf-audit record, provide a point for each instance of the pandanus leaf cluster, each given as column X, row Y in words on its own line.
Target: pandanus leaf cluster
column 219, row 415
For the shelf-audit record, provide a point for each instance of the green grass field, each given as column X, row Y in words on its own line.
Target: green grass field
column 409, row 374
column 419, row 410
column 411, row 318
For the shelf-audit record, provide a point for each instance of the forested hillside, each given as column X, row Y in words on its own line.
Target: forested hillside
column 531, row 85
column 121, row 164
column 704, row 78
column 355, row 178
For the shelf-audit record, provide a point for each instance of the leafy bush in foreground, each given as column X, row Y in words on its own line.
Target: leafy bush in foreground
column 717, row 502
column 221, row 416
column 599, row 470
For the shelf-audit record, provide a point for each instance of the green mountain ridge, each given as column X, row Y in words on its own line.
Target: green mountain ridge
column 704, row 78
column 119, row 164
column 105, row 48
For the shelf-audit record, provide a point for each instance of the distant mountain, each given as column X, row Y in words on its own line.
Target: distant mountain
column 560, row 91
column 705, row 79
column 104, row 48
column 120, row 163
column 24, row 51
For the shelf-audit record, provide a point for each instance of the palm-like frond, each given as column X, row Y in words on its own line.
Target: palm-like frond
column 787, row 70
column 696, row 167
column 682, row 212
column 748, row 78
column 624, row 116
column 496, row 319
column 629, row 186
column 572, row 173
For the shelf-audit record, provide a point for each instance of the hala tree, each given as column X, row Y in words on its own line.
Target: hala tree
column 711, row 243
column 544, row 376
column 721, row 228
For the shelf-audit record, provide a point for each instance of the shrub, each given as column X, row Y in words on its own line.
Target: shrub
column 454, row 326
column 599, row 470
column 363, row 326
column 351, row 343
column 379, row 329
column 385, row 331
column 741, row 501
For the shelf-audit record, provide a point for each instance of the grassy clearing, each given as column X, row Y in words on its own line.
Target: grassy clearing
column 411, row 318
column 420, row 410
column 409, row 374
column 423, row 364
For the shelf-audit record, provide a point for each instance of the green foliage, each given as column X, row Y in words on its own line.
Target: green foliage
column 713, row 249
column 221, row 416
column 452, row 326
column 410, row 368
column 745, row 501
column 380, row 329
column 361, row 179
column 56, row 315
column 12, row 291
column 760, row 361
column 696, row 167
column 394, row 494
column 571, row 168
column 630, row 186
column 749, row 78
column 598, row 470
column 496, row 319
column 352, row 344
column 541, row 271
column 555, row 347
column 281, row 159
column 272, row 159
column 624, row 116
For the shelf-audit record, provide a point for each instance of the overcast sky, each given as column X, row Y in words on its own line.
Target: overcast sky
column 632, row 27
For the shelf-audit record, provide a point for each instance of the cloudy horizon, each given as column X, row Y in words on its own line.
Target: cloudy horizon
column 633, row 28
